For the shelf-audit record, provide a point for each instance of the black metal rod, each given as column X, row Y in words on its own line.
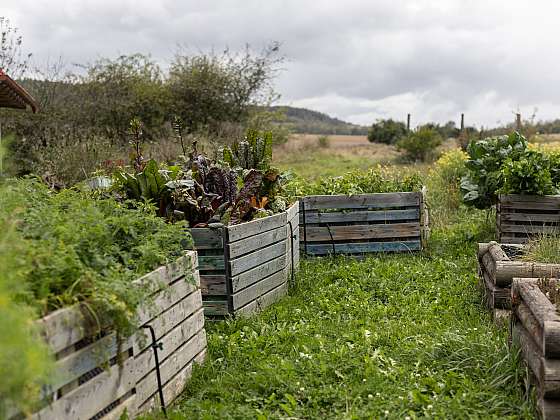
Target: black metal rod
column 155, row 346
column 332, row 240
column 292, row 237
column 304, row 228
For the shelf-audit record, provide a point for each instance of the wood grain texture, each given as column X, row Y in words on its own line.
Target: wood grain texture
column 211, row 262
column 529, row 202
column 263, row 302
column 245, row 230
column 258, row 289
column 315, row 217
column 362, row 232
column 213, row 285
column 258, row 273
column 261, row 240
column 254, row 259
column 207, row 238
column 362, row 201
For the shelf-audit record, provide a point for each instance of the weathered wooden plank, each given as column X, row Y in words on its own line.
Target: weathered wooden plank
column 549, row 408
column 175, row 386
column 362, row 248
column 258, row 273
column 213, row 284
column 168, row 320
column 167, row 298
column 258, row 289
column 362, row 232
column 211, row 262
column 208, row 238
column 362, row 201
column 215, row 307
column 171, row 342
column 314, row 217
column 245, row 230
column 529, row 229
column 530, row 324
column 529, row 202
column 536, row 301
column 147, row 387
column 505, row 271
column 254, row 259
column 292, row 211
column 497, row 297
column 129, row 404
column 93, row 396
column 529, row 218
column 546, row 371
column 258, row 241
column 264, row 301
column 513, row 239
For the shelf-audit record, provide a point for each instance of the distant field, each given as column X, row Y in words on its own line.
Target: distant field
column 304, row 155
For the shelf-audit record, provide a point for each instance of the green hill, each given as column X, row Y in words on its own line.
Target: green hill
column 302, row 120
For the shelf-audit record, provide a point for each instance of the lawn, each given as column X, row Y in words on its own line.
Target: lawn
column 390, row 336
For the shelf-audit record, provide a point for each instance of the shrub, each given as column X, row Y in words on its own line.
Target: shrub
column 420, row 144
column 543, row 249
column 323, row 141
column 386, row 131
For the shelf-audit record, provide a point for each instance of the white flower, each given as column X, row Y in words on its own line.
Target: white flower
column 367, row 333
column 370, row 397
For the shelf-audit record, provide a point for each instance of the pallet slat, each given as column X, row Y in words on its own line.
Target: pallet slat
column 258, row 289
column 362, row 232
column 362, row 248
column 362, row 201
column 314, row 217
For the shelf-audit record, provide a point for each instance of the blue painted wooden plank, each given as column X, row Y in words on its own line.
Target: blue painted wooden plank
column 365, row 247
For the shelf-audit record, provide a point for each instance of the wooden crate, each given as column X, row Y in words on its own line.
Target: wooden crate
column 497, row 269
column 536, row 330
column 96, row 377
column 364, row 223
column 246, row 267
column 520, row 217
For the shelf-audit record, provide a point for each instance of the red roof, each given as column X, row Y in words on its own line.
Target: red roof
column 12, row 95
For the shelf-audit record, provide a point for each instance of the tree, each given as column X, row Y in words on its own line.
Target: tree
column 13, row 60
column 208, row 89
column 386, row 131
column 421, row 143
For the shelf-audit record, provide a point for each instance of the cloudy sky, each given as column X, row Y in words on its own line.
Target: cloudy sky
column 358, row 60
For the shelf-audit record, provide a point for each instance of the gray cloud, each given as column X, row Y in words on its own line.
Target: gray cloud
column 357, row 60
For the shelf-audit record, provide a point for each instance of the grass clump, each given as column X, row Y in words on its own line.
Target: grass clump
column 544, row 248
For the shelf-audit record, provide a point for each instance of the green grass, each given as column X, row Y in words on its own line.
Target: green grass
column 393, row 336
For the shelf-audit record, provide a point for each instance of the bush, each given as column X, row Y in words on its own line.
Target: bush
column 419, row 145
column 529, row 174
column 323, row 141
column 386, row 131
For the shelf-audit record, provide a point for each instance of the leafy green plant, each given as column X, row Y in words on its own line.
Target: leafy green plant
column 255, row 152
column 323, row 141
column 81, row 249
column 486, row 158
column 375, row 180
column 418, row 145
column 529, row 174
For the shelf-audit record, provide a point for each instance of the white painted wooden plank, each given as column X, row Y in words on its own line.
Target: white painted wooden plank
column 93, row 396
column 249, row 277
column 264, row 301
column 171, row 366
column 245, row 230
column 253, row 243
column 258, row 289
column 183, row 332
column 254, row 259
column 175, row 386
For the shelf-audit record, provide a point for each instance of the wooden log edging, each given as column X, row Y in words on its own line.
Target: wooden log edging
column 96, row 376
column 363, row 223
column 245, row 268
column 497, row 270
column 521, row 217
column 536, row 330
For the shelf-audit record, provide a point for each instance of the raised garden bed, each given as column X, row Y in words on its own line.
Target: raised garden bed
column 246, row 267
column 520, row 217
column 536, row 329
column 98, row 376
column 363, row 223
column 498, row 264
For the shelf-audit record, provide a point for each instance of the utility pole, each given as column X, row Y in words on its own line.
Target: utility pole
column 462, row 122
column 518, row 121
column 407, row 122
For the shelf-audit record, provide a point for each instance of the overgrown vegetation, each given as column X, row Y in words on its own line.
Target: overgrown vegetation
column 386, row 131
column 420, row 144
column 544, row 248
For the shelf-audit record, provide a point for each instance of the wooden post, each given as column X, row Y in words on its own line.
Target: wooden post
column 462, row 122
column 407, row 122
column 518, row 121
